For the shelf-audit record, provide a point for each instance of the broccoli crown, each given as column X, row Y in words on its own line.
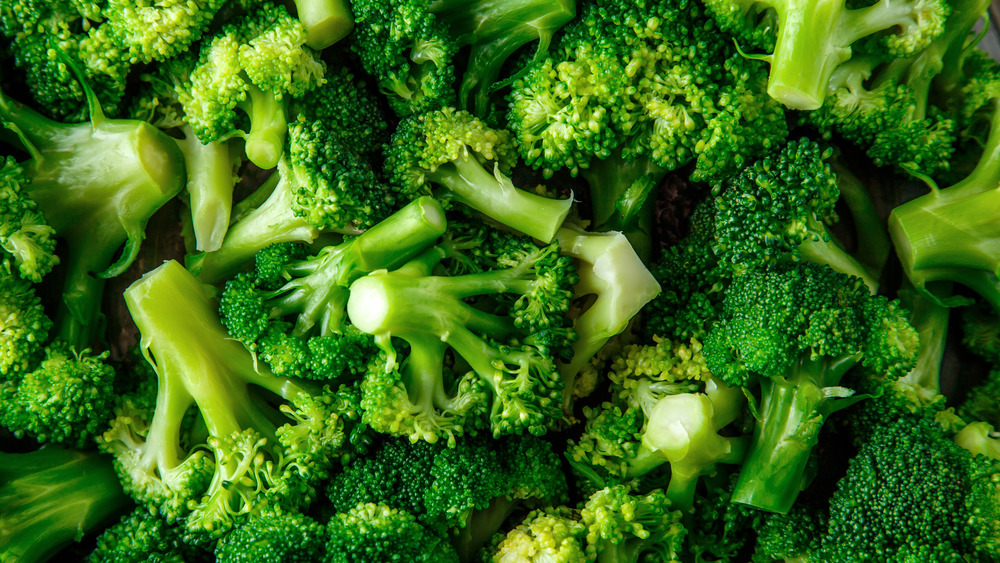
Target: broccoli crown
column 255, row 452
column 552, row 535
column 28, row 242
column 158, row 31
column 474, row 484
column 789, row 536
column 778, row 209
column 68, row 398
column 624, row 526
column 273, row 536
column 911, row 487
column 51, row 497
column 376, row 532
column 410, row 46
column 25, row 327
column 457, row 151
column 646, row 82
column 143, row 536
column 774, row 319
column 50, row 39
column 809, row 42
column 255, row 66
column 507, row 349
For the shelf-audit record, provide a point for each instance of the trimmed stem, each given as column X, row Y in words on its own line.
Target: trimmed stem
column 828, row 252
column 210, row 184
column 326, row 21
column 265, row 141
column 494, row 195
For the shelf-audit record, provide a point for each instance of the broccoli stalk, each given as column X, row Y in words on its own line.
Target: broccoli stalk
column 951, row 233
column 52, row 497
column 97, row 183
column 325, row 21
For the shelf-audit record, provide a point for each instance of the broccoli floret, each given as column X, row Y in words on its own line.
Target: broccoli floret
column 142, row 536
column 97, row 184
column 506, row 327
column 255, row 65
column 467, row 490
column 455, row 150
column 950, row 233
column 786, row 537
column 68, row 398
column 266, row 440
column 273, row 536
column 50, row 39
column 624, row 527
column 151, row 30
column 411, row 46
column 553, row 535
column 809, row 41
column 666, row 409
column 25, row 327
column 795, row 331
column 291, row 311
column 376, row 532
column 779, row 209
column 27, row 241
column 51, row 497
column 911, row 488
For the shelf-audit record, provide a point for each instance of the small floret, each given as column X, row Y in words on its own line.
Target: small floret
column 626, row 527
column 142, row 536
column 376, row 532
column 273, row 536
column 25, row 327
column 27, row 241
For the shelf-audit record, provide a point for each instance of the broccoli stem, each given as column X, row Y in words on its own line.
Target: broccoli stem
column 51, row 497
column 930, row 320
column 622, row 198
column 494, row 195
column 265, row 141
column 873, row 244
column 951, row 234
column 826, row 251
column 210, row 184
column 326, row 21
column 791, row 415
column 496, row 29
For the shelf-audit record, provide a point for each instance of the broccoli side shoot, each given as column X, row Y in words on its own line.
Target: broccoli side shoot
column 778, row 209
column 625, row 527
column 795, row 330
column 266, row 440
column 507, row 325
column 97, row 184
column 26, row 239
column 411, row 46
column 51, row 497
column 950, row 234
column 376, row 532
column 813, row 39
column 553, row 535
column 25, row 327
column 291, row 311
column 255, row 66
column 142, row 536
column 272, row 536
column 469, row 160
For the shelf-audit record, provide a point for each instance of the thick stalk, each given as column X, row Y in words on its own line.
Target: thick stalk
column 623, row 198
column 873, row 244
column 806, row 52
column 495, row 196
column 326, row 21
column 211, row 179
column 265, row 140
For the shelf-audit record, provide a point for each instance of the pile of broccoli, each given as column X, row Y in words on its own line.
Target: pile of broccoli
column 550, row 281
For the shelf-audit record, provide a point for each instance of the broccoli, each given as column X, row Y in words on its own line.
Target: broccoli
column 376, row 532
column 325, row 21
column 255, row 450
column 949, row 234
column 68, row 398
column 273, row 536
column 470, row 160
column 466, row 490
column 291, row 311
column 795, row 330
column 254, row 65
column 505, row 345
column 617, row 286
column 634, row 90
column 809, row 41
column 25, row 327
column 210, row 167
column 49, row 39
column 151, row 30
column 666, row 408
column 623, row 527
column 97, row 183
column 553, row 535
column 778, row 209
column 27, row 241
column 142, row 536
column 411, row 47
column 323, row 185
column 51, row 497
